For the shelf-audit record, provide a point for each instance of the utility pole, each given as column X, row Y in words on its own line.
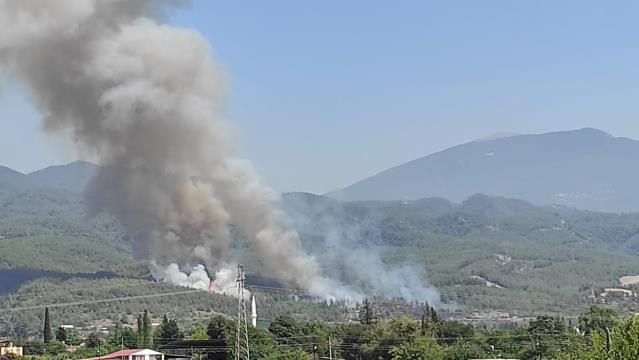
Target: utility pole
column 241, row 341
column 330, row 348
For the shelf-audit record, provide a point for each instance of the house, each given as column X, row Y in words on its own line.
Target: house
column 131, row 354
column 8, row 348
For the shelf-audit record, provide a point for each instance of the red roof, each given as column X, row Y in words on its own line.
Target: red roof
column 116, row 355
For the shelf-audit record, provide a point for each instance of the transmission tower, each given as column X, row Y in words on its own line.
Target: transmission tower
column 241, row 341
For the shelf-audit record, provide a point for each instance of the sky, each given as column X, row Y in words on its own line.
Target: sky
column 326, row 93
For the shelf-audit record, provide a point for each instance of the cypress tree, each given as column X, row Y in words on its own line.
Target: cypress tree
column 141, row 335
column 146, row 322
column 144, row 330
column 48, row 335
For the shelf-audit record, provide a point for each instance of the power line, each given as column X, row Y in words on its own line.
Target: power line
column 98, row 301
column 288, row 290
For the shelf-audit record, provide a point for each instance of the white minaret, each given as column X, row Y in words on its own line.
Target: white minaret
column 253, row 311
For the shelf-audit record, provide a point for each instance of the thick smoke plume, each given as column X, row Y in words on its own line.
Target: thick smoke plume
column 143, row 99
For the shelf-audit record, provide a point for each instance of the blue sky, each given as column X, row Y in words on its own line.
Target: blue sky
column 324, row 93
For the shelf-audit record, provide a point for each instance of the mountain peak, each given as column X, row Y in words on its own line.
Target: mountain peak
column 78, row 164
column 72, row 177
column 586, row 168
column 496, row 136
column 593, row 131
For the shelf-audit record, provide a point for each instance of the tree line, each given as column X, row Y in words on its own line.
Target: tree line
column 598, row 334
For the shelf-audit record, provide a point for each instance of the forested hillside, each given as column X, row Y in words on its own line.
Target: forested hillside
column 482, row 255
column 534, row 258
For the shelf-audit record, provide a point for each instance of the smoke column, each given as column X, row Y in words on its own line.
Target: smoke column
column 350, row 248
column 143, row 98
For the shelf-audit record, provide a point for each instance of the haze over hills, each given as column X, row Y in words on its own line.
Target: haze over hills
column 586, row 168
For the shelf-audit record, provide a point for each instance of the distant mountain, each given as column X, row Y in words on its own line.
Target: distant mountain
column 12, row 181
column 586, row 168
column 72, row 177
column 497, row 135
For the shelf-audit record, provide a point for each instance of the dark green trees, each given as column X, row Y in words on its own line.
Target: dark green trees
column 61, row 334
column 92, row 340
column 598, row 318
column 422, row 348
column 285, row 328
column 430, row 321
column 123, row 338
column 217, row 330
column 47, row 334
column 548, row 335
column 218, row 327
column 169, row 331
column 367, row 315
column 145, row 337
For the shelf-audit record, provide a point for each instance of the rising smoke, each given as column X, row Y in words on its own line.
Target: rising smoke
column 143, row 99
column 223, row 282
column 197, row 278
column 351, row 249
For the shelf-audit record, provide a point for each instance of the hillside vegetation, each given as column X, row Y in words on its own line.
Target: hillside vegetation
column 484, row 254
column 541, row 258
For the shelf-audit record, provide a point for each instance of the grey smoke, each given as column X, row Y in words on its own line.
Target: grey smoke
column 144, row 100
column 364, row 265
column 350, row 250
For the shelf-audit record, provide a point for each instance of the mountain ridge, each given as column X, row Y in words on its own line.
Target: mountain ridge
column 71, row 177
column 585, row 168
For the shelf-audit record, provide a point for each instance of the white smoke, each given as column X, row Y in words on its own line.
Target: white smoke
column 223, row 282
column 197, row 278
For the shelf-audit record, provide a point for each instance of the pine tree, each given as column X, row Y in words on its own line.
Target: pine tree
column 48, row 336
column 217, row 331
column 169, row 331
column 61, row 334
column 92, row 340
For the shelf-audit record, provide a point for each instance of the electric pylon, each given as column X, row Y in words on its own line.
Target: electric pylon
column 242, row 340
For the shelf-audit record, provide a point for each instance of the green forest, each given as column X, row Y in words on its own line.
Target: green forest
column 598, row 333
column 484, row 256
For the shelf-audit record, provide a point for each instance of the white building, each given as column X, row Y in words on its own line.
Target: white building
column 131, row 354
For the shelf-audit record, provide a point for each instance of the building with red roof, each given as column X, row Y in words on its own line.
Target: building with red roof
column 131, row 354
